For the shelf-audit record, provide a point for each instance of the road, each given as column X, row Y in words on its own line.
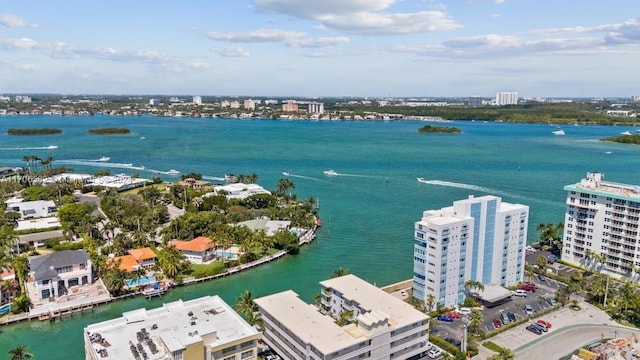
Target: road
column 568, row 339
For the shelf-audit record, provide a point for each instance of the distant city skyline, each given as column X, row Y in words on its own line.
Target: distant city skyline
column 359, row 48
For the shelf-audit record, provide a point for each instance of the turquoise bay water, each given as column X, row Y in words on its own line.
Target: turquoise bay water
column 368, row 210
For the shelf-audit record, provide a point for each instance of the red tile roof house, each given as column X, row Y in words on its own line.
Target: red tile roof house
column 198, row 250
column 144, row 256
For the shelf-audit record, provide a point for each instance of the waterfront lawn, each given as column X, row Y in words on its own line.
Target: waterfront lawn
column 203, row 270
column 161, row 187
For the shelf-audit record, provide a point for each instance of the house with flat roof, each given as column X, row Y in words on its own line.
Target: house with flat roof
column 200, row 329
column 270, row 227
column 198, row 250
column 238, row 190
column 53, row 274
column 381, row 326
column 32, row 209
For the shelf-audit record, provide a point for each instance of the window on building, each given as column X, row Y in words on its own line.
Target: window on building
column 246, row 354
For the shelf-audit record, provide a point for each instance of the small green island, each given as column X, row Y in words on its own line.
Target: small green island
column 40, row 131
column 439, row 129
column 624, row 139
column 109, row 131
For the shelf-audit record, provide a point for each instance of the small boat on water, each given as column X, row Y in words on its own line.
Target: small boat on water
column 51, row 147
column 173, row 172
column 626, row 132
column 286, row 173
column 422, row 180
column 104, row 159
column 4, row 309
column 608, row 152
column 330, row 173
column 558, row 132
column 156, row 289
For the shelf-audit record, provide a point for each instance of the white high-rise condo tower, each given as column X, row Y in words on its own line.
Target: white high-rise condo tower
column 481, row 239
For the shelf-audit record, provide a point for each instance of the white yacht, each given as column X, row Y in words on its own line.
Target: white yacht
column 626, row 132
column 104, row 159
column 422, row 180
column 286, row 173
column 558, row 132
column 330, row 173
column 173, row 172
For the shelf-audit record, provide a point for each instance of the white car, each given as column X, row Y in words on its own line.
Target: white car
column 520, row 293
column 463, row 311
column 434, row 353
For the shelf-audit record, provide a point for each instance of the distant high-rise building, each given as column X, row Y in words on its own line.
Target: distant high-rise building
column 635, row 98
column 506, row 98
column 480, row 239
column 234, row 104
column 475, row 101
column 290, row 106
column 601, row 225
column 197, row 100
column 154, row 102
column 225, row 104
column 249, row 104
column 316, row 108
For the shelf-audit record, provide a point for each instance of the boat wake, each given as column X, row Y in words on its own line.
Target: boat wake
column 302, row 177
column 100, row 164
column 213, row 178
column 50, row 147
column 483, row 189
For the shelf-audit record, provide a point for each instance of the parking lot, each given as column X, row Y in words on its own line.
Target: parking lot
column 545, row 289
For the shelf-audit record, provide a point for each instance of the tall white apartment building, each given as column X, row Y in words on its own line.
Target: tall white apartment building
column 199, row 329
column 249, row 104
column 602, row 218
column 381, row 326
column 197, row 100
column 506, row 98
column 316, row 108
column 481, row 239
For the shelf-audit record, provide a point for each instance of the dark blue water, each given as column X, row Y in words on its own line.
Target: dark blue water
column 368, row 211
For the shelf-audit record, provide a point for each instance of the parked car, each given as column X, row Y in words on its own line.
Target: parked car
column 534, row 329
column 434, row 353
column 512, row 316
column 544, row 323
column 552, row 301
column 428, row 346
column 551, row 258
column 463, row 311
column 445, row 318
column 520, row 293
column 452, row 314
column 542, row 277
column 497, row 323
column 527, row 287
column 528, row 309
column 453, row 341
column 505, row 318
column 542, row 327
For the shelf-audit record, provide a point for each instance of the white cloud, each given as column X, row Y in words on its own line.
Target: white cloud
column 311, row 9
column 364, row 17
column 234, row 51
column 629, row 25
column 23, row 43
column 12, row 21
column 27, row 67
column 318, row 42
column 391, row 24
column 260, row 35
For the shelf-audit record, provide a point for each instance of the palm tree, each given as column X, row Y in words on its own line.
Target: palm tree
column 339, row 272
column 503, row 354
column 170, row 261
column 431, row 300
column 284, row 185
column 244, row 305
column 20, row 352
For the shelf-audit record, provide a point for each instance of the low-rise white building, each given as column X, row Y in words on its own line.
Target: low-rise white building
column 200, row 329
column 380, row 325
column 32, row 209
column 55, row 273
column 238, row 190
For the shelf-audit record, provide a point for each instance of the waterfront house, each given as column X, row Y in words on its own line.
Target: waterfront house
column 238, row 190
column 126, row 263
column 144, row 256
column 31, row 209
column 199, row 329
column 54, row 274
column 8, row 286
column 382, row 326
column 195, row 184
column 270, row 227
column 198, row 250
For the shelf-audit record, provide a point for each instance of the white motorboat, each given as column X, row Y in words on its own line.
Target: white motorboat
column 558, row 132
column 422, row 180
column 330, row 173
column 104, row 159
column 51, row 147
column 626, row 132
column 173, row 172
column 286, row 173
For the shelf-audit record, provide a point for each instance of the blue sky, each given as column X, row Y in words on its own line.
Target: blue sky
column 421, row 48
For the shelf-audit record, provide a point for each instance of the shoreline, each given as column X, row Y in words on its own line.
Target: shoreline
column 82, row 307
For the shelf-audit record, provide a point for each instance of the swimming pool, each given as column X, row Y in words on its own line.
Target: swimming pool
column 141, row 281
column 226, row 255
